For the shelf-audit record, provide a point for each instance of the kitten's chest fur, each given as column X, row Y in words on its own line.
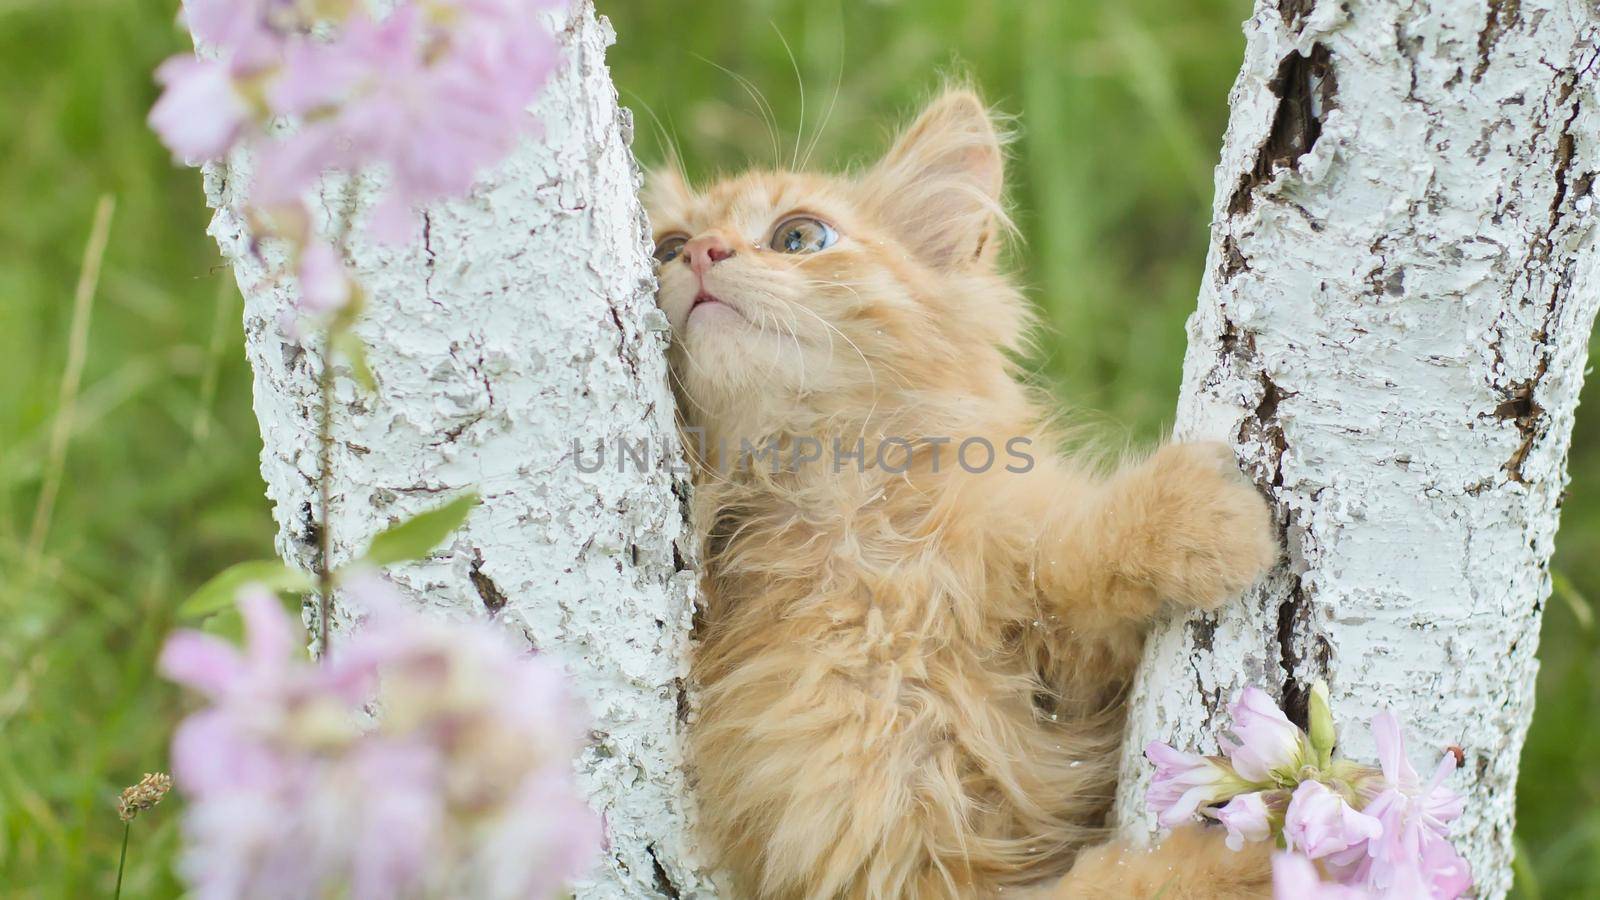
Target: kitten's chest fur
column 844, row 561
column 883, row 581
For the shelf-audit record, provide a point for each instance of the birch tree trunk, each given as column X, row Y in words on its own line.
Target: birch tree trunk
column 1392, row 331
column 514, row 342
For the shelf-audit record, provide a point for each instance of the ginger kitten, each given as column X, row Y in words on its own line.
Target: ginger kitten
column 911, row 663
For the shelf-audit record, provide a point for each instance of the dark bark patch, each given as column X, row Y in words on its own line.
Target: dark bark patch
column 1267, row 409
column 1306, row 89
column 310, row 528
column 493, row 598
column 1295, row 12
column 664, row 885
column 1504, row 15
column 1521, row 408
column 1566, row 149
column 1296, row 692
column 1263, row 428
column 1233, row 259
column 1519, row 404
column 1238, row 347
column 1395, row 284
column 681, row 690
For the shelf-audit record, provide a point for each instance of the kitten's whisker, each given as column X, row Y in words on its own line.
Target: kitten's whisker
column 699, row 462
column 827, row 114
column 800, row 83
column 766, row 314
column 799, row 351
column 847, row 285
column 668, row 137
column 694, row 364
column 799, row 355
column 899, row 375
column 768, row 115
column 790, row 307
column 672, row 373
column 872, row 373
column 829, row 281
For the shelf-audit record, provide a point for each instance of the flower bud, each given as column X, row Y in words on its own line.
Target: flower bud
column 1321, row 724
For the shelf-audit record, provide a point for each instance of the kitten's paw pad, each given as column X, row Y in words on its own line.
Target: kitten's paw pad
column 1211, row 532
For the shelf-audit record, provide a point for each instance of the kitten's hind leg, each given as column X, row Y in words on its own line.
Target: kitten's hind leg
column 1192, row 863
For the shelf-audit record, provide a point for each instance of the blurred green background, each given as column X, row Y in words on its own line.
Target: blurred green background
column 1122, row 105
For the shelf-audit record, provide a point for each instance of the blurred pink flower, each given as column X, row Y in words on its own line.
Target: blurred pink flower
column 324, row 285
column 1262, row 739
column 1184, row 782
column 1320, row 823
column 228, row 25
column 200, row 113
column 430, row 94
column 431, row 106
column 1296, row 878
column 294, row 790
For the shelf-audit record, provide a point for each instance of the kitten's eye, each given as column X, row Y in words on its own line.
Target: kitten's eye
column 803, row 234
column 668, row 248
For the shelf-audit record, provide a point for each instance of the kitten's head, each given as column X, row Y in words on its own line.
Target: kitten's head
column 798, row 297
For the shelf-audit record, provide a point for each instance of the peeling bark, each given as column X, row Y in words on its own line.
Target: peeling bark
column 515, row 331
column 1392, row 331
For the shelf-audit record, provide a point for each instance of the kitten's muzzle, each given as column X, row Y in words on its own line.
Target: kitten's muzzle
column 706, row 251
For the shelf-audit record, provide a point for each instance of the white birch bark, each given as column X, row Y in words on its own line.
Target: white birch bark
column 516, row 333
column 1392, row 330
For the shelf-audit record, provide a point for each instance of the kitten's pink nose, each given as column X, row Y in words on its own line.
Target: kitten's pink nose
column 706, row 251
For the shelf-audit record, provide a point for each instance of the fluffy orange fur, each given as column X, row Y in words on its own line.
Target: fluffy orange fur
column 911, row 675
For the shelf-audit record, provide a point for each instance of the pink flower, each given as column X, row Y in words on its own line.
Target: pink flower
column 1263, row 741
column 1320, row 824
column 1414, row 849
column 1295, row 878
column 1184, row 782
column 1395, row 846
column 1439, row 803
column 200, row 113
column 1247, row 818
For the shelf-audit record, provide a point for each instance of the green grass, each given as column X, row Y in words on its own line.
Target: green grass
column 1122, row 109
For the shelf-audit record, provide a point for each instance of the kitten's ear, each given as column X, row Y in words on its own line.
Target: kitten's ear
column 939, row 186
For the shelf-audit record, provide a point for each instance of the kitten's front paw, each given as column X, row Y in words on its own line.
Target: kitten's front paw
column 1209, row 534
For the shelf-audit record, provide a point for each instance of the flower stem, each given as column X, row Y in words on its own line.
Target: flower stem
column 122, row 859
column 325, row 497
column 331, row 337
